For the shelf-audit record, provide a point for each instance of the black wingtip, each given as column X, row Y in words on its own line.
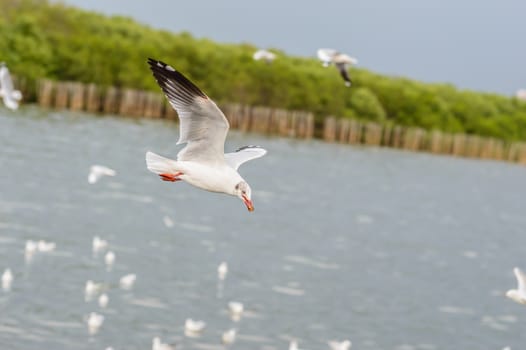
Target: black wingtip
column 245, row 147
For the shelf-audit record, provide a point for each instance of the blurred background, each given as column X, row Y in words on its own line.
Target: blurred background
column 400, row 233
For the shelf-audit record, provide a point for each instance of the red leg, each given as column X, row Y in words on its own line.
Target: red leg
column 171, row 177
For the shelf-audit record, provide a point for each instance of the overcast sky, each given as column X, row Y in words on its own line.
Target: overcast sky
column 479, row 45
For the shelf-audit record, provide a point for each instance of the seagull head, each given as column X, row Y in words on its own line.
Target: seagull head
column 243, row 191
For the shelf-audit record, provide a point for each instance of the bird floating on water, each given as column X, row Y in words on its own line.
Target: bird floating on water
column 91, row 289
column 158, row 345
column 45, row 247
column 203, row 127
column 193, row 328
column 94, row 322
column 109, row 259
column 265, row 55
column 340, row 60
column 340, row 345
column 10, row 96
column 98, row 171
column 126, row 282
column 236, row 310
column 103, row 300
column 229, row 336
column 222, row 271
column 518, row 295
column 98, row 244
column 7, row 280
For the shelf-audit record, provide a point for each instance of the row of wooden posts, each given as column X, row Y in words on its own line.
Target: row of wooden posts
column 299, row 124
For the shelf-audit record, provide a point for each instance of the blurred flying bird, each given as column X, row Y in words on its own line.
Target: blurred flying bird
column 293, row 345
column 265, row 55
column 168, row 222
column 521, row 94
column 203, row 127
column 340, row 60
column 98, row 171
column 10, row 96
column 519, row 294
column 7, row 280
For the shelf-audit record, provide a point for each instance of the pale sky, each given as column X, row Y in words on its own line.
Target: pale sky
column 478, row 45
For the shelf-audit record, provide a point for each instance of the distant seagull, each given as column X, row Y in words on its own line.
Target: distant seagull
column 109, row 259
column 193, row 328
column 7, row 280
column 521, row 94
column 519, row 294
column 168, row 222
column 343, row 62
column 10, row 96
column 91, row 289
column 158, row 345
column 126, row 282
column 337, row 345
column 203, row 127
column 31, row 248
column 325, row 56
column 265, row 55
column 340, row 60
column 103, row 300
column 293, row 345
column 98, row 171
column 94, row 322
column 98, row 244
column 222, row 271
column 45, row 247
column 236, row 310
column 229, row 336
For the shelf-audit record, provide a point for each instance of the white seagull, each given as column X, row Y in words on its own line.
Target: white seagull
column 46, row 247
column 222, row 271
column 325, row 56
column 7, row 280
column 31, row 248
column 126, row 282
column 109, row 259
column 340, row 60
column 193, row 328
column 229, row 336
column 94, row 322
column 337, row 345
column 98, row 244
column 103, row 300
column 10, row 96
column 521, row 94
column 293, row 345
column 91, row 289
column 265, row 55
column 158, row 345
column 519, row 294
column 236, row 310
column 203, row 127
column 98, row 171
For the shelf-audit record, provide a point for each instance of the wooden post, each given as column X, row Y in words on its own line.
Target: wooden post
column 459, row 144
column 472, row 146
column 153, row 105
column 343, row 126
column 329, row 129
column 93, row 101
column 435, row 142
column 278, row 121
column 45, row 93
column 355, row 132
column 111, row 101
column 261, row 119
column 397, row 137
column 373, row 134
column 499, row 150
column 76, row 101
column 285, row 123
column 309, row 120
column 521, row 153
column 62, row 95
column 387, row 135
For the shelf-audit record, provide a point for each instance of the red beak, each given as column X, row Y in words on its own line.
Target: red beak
column 248, row 203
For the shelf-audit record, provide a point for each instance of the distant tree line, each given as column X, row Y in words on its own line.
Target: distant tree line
column 39, row 39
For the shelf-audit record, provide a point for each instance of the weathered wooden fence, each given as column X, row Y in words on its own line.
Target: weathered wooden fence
column 298, row 124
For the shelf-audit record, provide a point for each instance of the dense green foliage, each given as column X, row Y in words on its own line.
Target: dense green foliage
column 40, row 39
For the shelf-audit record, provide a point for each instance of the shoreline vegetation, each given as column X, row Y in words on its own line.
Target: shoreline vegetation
column 274, row 121
column 45, row 40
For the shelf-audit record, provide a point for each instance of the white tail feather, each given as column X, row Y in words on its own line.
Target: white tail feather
column 160, row 165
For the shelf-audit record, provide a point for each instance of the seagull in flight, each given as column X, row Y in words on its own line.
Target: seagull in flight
column 10, row 96
column 203, row 127
column 265, row 55
column 518, row 295
column 340, row 60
